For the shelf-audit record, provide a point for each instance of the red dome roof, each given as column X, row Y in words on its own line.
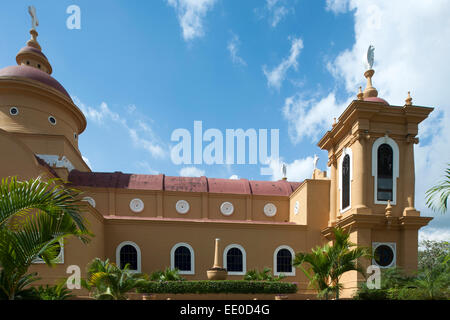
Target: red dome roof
column 33, row 74
column 376, row 99
column 31, row 50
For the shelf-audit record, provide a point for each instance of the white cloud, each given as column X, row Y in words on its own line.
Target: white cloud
column 434, row 234
column 278, row 74
column 233, row 48
column 275, row 11
column 234, row 177
column 297, row 170
column 104, row 116
column 337, row 6
column 190, row 15
column 145, row 166
column 309, row 117
column 87, row 162
column 191, row 172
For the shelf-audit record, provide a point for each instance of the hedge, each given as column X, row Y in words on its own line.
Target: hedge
column 221, row 286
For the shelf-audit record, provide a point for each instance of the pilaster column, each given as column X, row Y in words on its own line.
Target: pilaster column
column 408, row 178
column 359, row 182
column 333, row 191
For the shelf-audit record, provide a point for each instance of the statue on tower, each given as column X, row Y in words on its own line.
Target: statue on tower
column 284, row 171
column 370, row 56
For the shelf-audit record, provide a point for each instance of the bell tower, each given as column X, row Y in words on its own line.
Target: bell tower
column 37, row 110
column 371, row 157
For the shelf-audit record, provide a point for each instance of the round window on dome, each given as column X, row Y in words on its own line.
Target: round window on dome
column 14, row 111
column 52, row 120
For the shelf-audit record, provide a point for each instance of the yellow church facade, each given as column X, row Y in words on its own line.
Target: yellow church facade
column 158, row 221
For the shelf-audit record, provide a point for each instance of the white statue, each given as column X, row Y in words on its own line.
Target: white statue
column 284, row 170
column 34, row 19
column 316, row 159
column 370, row 56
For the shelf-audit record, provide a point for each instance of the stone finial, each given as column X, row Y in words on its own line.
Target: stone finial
column 408, row 100
column 216, row 272
column 216, row 254
column 389, row 209
column 360, row 94
column 369, row 91
column 334, row 122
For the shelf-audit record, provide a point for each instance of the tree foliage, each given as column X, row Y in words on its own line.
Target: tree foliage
column 35, row 218
column 325, row 265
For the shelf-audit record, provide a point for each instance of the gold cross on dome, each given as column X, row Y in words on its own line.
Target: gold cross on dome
column 34, row 19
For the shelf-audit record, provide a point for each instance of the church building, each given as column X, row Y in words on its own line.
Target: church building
column 158, row 221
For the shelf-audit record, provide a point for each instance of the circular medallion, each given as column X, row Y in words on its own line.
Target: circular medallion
column 182, row 206
column 384, row 255
column 90, row 200
column 270, row 210
column 227, row 208
column 297, row 205
column 136, row 205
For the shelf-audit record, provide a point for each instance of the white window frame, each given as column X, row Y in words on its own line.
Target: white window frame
column 275, row 267
column 172, row 257
column 59, row 258
column 395, row 170
column 138, row 250
column 393, row 246
column 346, row 151
column 244, row 259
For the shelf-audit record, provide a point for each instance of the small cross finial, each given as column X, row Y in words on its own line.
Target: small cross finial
column 34, row 19
column 408, row 100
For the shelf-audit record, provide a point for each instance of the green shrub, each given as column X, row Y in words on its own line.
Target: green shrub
column 365, row 293
column 166, row 275
column 265, row 275
column 225, row 286
column 58, row 292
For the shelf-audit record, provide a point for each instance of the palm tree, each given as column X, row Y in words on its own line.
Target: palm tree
column 35, row 217
column 107, row 281
column 437, row 196
column 327, row 264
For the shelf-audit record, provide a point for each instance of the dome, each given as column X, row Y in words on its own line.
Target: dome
column 29, row 49
column 376, row 99
column 33, row 74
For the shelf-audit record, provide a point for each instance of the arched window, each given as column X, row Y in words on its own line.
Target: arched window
column 182, row 258
column 385, row 170
column 129, row 253
column 283, row 258
column 346, row 182
column 234, row 259
column 345, row 179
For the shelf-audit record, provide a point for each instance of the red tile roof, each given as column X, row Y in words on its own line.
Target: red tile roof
column 184, row 184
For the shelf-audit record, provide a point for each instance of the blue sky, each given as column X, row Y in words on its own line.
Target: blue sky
column 141, row 69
